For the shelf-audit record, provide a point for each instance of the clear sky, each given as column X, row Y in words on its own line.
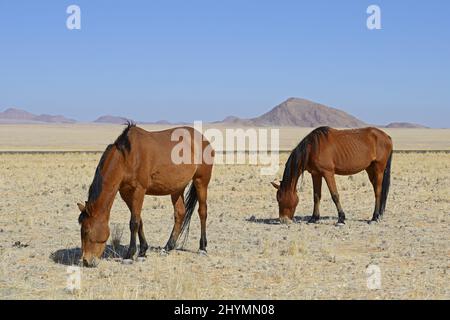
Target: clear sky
column 204, row 59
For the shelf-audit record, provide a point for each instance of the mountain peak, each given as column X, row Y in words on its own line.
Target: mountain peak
column 301, row 112
column 111, row 119
column 296, row 100
column 16, row 114
column 12, row 109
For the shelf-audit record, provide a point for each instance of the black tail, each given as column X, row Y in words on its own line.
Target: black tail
column 385, row 185
column 190, row 202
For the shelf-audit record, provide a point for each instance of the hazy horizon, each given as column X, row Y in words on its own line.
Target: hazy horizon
column 154, row 121
column 206, row 60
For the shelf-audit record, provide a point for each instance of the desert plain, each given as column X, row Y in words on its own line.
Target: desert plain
column 250, row 255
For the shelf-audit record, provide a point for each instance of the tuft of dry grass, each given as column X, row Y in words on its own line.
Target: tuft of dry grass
column 116, row 236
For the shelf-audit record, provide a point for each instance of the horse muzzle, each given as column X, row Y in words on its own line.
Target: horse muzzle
column 91, row 262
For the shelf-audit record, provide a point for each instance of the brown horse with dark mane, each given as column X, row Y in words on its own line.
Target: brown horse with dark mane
column 326, row 152
column 142, row 163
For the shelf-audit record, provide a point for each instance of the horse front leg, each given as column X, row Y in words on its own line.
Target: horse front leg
column 134, row 225
column 143, row 245
column 329, row 178
column 317, row 194
column 134, row 198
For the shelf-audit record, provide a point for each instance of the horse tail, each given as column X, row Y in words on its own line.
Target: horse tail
column 385, row 185
column 189, row 203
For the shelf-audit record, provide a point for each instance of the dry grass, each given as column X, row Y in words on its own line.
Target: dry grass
column 249, row 257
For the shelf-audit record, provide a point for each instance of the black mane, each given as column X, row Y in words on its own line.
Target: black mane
column 122, row 144
column 96, row 186
column 296, row 164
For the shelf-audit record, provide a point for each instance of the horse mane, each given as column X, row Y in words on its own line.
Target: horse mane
column 296, row 164
column 122, row 144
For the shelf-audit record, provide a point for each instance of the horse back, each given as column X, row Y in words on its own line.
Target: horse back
column 351, row 150
column 152, row 159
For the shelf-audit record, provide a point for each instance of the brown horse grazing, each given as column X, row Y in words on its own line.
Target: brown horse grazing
column 326, row 152
column 140, row 163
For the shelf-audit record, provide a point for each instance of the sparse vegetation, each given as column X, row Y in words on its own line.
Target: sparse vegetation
column 116, row 236
column 250, row 255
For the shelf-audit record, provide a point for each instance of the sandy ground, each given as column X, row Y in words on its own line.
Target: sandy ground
column 250, row 255
column 94, row 137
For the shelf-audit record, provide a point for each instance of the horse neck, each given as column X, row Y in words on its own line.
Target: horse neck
column 112, row 176
column 291, row 185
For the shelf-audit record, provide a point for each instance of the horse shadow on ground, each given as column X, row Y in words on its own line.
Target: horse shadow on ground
column 67, row 257
column 275, row 221
column 72, row 256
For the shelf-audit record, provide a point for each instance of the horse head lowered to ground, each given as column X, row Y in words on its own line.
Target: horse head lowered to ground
column 326, row 152
column 141, row 163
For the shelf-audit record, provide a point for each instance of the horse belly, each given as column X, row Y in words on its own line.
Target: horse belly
column 170, row 179
column 347, row 168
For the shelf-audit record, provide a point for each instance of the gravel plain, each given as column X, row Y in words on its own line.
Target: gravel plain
column 250, row 255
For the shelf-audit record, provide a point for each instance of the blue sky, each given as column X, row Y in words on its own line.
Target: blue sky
column 205, row 60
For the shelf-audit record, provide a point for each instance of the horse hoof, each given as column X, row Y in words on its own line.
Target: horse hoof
column 313, row 221
column 340, row 224
column 373, row 221
column 129, row 256
column 164, row 252
column 127, row 261
column 142, row 254
column 140, row 259
column 286, row 221
column 203, row 253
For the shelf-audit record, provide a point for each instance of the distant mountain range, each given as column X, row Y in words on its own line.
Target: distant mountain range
column 122, row 120
column 292, row 112
column 405, row 125
column 13, row 115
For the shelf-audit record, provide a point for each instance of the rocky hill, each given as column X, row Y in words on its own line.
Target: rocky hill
column 111, row 119
column 405, row 125
column 301, row 113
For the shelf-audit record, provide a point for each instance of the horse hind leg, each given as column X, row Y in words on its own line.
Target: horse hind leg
column 179, row 214
column 329, row 178
column 202, row 192
column 376, row 178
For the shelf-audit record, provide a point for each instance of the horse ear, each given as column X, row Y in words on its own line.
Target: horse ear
column 82, row 207
column 275, row 185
